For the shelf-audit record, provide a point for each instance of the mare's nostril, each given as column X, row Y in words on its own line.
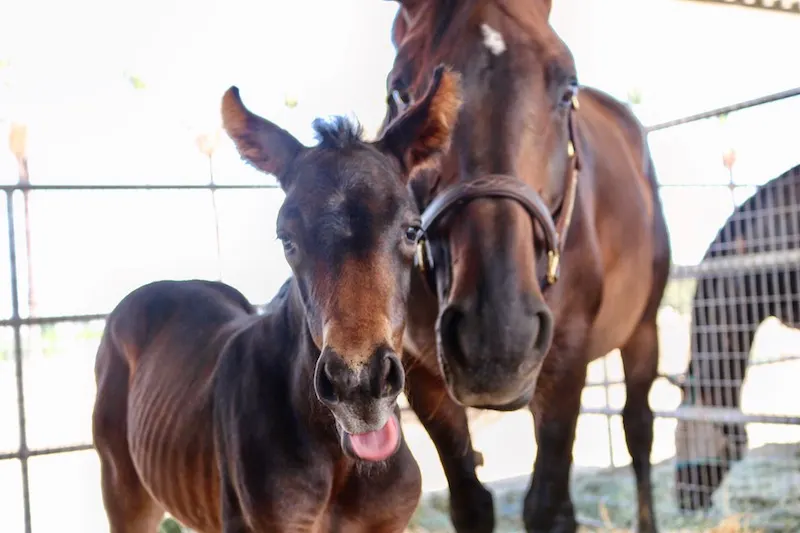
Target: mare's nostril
column 542, row 330
column 449, row 324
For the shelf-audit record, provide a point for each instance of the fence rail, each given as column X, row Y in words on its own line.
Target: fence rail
column 17, row 322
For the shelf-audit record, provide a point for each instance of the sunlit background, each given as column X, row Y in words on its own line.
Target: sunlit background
column 127, row 92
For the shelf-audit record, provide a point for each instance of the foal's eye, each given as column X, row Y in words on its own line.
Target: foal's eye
column 413, row 234
column 288, row 245
column 570, row 92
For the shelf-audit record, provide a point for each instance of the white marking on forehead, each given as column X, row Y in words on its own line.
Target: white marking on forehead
column 493, row 40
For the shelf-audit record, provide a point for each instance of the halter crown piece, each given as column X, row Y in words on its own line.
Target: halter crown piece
column 502, row 186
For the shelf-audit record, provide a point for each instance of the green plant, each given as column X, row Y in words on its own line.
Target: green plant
column 678, row 295
column 635, row 96
column 170, row 525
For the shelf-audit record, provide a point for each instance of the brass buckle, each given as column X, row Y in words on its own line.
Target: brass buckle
column 553, row 258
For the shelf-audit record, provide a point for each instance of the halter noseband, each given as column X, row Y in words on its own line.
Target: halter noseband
column 509, row 187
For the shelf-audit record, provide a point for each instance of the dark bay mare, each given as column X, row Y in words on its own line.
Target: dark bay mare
column 546, row 248
column 287, row 421
column 727, row 308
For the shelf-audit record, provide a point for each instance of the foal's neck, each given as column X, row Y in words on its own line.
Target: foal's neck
column 288, row 319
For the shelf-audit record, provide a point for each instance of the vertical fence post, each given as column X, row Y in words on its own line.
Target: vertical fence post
column 213, row 187
column 606, row 385
column 15, row 317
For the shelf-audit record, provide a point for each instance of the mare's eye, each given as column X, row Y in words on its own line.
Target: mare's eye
column 413, row 234
column 401, row 100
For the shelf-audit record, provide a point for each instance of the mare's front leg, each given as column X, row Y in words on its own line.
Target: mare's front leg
column 555, row 407
column 471, row 505
column 640, row 362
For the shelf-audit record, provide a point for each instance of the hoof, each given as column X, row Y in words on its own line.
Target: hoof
column 472, row 509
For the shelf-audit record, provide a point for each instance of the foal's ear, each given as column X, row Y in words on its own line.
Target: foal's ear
column 424, row 130
column 260, row 142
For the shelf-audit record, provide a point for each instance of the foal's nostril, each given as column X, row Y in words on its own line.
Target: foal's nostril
column 328, row 376
column 323, row 384
column 388, row 375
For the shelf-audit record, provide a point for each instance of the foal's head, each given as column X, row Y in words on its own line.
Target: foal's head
column 349, row 229
column 490, row 254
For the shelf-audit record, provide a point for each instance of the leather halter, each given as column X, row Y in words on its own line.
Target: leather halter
column 509, row 187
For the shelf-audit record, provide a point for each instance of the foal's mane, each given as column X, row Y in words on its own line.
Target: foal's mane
column 338, row 132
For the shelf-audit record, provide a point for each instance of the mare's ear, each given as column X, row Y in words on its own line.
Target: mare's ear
column 260, row 142
column 399, row 27
column 424, row 130
column 545, row 7
column 406, row 12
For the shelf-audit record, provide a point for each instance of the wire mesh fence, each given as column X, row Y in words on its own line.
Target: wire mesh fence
column 714, row 312
column 736, row 427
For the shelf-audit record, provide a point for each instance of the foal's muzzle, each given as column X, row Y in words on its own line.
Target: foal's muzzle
column 337, row 381
column 363, row 399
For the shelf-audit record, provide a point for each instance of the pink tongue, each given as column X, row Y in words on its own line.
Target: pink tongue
column 376, row 445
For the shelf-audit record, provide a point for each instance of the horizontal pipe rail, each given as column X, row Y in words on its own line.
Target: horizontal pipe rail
column 693, row 413
column 705, row 414
column 47, row 320
column 737, row 264
column 133, row 187
column 774, row 97
column 46, row 451
column 751, row 364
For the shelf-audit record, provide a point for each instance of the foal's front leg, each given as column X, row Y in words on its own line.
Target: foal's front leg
column 555, row 406
column 471, row 505
column 232, row 519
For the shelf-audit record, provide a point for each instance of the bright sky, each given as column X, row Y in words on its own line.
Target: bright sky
column 87, row 125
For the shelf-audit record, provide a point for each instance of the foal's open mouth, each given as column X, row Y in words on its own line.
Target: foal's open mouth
column 373, row 446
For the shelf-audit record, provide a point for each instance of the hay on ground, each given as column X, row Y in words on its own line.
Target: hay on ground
column 761, row 494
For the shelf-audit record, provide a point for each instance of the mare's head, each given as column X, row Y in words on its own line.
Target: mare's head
column 349, row 229
column 489, row 256
column 705, row 450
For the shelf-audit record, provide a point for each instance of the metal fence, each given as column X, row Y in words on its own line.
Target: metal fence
column 17, row 322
